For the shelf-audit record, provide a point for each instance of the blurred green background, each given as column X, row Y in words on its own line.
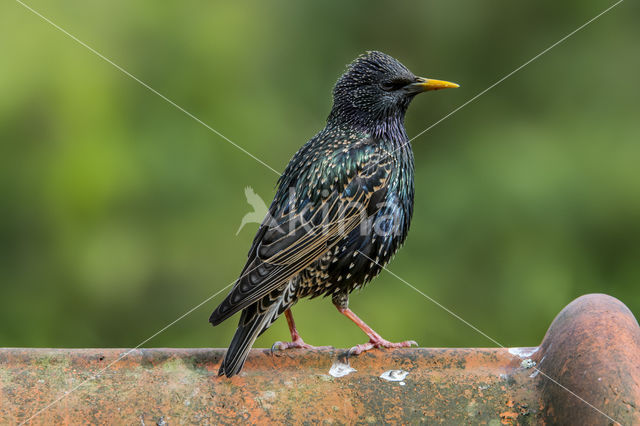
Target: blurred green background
column 119, row 213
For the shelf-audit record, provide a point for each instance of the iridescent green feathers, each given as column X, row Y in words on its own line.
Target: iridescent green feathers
column 332, row 193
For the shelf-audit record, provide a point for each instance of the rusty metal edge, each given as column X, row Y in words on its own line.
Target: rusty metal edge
column 586, row 371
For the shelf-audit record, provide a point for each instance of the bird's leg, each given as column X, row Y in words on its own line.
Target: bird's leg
column 295, row 336
column 296, row 340
column 375, row 340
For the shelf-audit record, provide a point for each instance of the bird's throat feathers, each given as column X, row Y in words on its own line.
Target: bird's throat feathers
column 381, row 124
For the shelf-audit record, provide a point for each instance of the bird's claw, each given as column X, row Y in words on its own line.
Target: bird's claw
column 379, row 343
column 275, row 346
column 358, row 349
column 296, row 344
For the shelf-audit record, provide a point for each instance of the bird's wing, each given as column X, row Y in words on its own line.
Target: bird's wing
column 333, row 196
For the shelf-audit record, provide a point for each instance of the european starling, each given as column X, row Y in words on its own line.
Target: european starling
column 342, row 209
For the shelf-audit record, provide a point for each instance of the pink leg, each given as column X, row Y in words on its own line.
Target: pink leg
column 296, row 340
column 375, row 340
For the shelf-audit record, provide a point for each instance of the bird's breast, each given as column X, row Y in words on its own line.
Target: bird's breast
column 359, row 257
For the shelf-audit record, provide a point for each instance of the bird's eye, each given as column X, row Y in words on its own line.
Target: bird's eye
column 386, row 86
column 390, row 85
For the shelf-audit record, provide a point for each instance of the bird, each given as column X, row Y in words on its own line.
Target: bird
column 342, row 208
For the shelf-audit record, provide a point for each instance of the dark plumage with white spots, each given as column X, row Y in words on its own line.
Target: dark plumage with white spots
column 342, row 209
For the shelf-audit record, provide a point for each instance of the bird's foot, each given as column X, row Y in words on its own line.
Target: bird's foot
column 380, row 343
column 295, row 344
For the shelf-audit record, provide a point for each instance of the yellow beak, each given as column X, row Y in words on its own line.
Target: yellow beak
column 425, row 84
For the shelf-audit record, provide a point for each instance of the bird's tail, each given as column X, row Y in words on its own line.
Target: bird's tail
column 249, row 328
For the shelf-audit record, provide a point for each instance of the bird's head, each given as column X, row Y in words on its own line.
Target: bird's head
column 377, row 88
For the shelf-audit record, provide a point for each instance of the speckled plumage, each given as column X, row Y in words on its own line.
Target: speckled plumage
column 342, row 209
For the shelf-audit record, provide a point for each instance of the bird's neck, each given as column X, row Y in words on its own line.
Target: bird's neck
column 388, row 127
